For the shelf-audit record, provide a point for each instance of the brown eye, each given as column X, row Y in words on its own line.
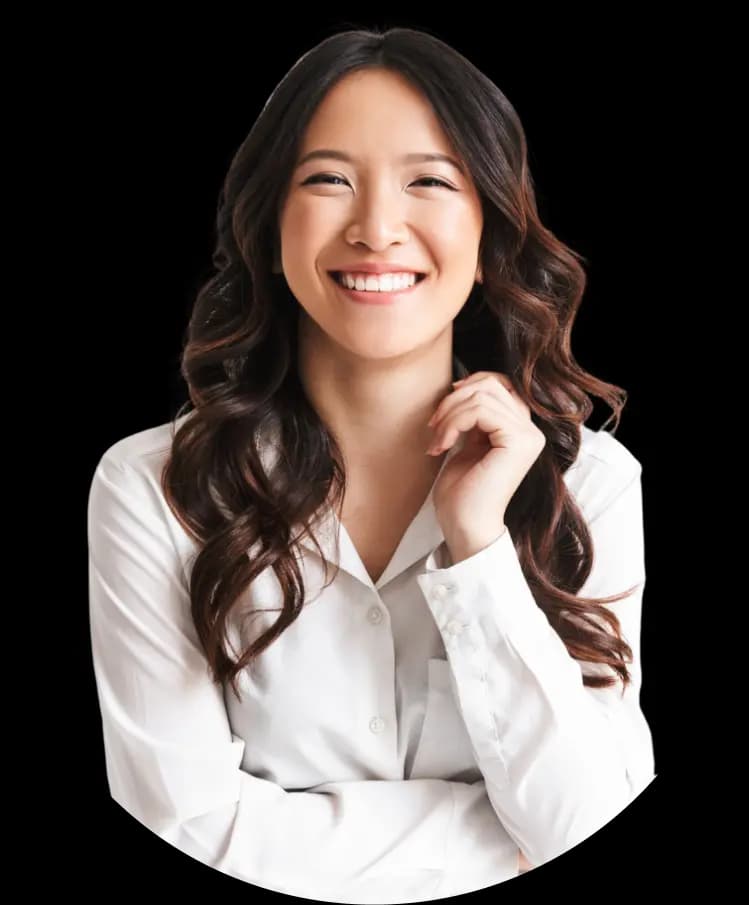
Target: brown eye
column 320, row 177
column 438, row 181
column 327, row 177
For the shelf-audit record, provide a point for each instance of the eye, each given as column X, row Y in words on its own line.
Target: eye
column 438, row 181
column 321, row 177
column 326, row 177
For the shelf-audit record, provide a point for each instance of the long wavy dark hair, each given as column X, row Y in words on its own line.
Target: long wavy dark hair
column 239, row 362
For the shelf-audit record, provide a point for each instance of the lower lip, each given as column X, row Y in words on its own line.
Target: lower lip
column 376, row 298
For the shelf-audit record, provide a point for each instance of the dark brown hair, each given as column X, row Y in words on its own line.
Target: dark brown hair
column 239, row 361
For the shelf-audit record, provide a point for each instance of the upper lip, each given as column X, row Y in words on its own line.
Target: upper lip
column 376, row 267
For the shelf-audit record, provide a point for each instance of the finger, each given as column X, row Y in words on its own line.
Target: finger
column 448, row 404
column 499, row 383
column 495, row 379
column 490, row 423
column 487, row 414
column 482, row 375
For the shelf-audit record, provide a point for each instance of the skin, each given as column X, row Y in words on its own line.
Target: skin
column 376, row 374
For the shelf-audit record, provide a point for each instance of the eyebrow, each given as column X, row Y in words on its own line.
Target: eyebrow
column 406, row 158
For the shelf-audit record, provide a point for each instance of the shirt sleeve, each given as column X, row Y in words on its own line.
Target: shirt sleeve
column 173, row 762
column 560, row 759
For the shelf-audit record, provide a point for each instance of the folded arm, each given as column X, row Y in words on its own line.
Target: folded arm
column 560, row 759
column 174, row 764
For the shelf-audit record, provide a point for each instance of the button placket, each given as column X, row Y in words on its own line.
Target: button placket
column 376, row 724
column 377, row 615
column 454, row 627
column 442, row 591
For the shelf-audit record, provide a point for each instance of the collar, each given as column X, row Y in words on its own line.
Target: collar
column 422, row 538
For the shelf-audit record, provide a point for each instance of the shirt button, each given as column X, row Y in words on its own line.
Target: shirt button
column 453, row 627
column 376, row 724
column 440, row 591
column 374, row 615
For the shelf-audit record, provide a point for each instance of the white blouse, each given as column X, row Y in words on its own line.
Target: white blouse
column 402, row 740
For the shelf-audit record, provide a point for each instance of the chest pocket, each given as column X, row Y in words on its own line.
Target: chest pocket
column 444, row 750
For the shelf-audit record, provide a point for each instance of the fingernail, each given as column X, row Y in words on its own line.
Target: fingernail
column 457, row 382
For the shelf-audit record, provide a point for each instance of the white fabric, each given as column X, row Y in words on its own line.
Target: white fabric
column 400, row 741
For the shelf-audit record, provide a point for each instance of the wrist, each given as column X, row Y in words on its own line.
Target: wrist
column 464, row 544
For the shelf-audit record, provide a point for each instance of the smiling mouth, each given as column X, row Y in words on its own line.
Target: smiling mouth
column 337, row 276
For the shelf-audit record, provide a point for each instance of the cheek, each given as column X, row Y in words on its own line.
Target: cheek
column 308, row 219
column 299, row 229
column 307, row 233
column 454, row 228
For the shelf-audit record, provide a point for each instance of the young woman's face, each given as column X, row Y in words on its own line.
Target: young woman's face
column 424, row 215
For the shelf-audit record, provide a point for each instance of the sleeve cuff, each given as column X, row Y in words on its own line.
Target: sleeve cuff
column 487, row 589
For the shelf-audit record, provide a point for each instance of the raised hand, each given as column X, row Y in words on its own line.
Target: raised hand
column 501, row 443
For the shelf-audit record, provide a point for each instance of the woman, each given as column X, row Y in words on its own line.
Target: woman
column 454, row 704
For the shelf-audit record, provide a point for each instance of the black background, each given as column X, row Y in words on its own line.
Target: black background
column 149, row 123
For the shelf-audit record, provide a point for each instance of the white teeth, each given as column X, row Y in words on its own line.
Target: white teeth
column 386, row 282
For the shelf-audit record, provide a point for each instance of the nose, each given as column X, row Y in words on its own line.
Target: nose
column 378, row 219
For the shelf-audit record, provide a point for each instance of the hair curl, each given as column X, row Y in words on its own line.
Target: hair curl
column 239, row 361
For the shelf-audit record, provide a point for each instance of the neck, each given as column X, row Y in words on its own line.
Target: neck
column 376, row 408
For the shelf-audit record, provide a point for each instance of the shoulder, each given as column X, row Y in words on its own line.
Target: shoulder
column 125, row 495
column 139, row 458
column 128, row 475
column 602, row 446
column 604, row 468
column 142, row 454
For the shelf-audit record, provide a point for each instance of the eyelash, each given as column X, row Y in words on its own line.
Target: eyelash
column 327, row 176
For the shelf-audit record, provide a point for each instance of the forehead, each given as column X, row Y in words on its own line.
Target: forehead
column 380, row 114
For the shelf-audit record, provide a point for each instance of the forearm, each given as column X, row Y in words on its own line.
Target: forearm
column 578, row 759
